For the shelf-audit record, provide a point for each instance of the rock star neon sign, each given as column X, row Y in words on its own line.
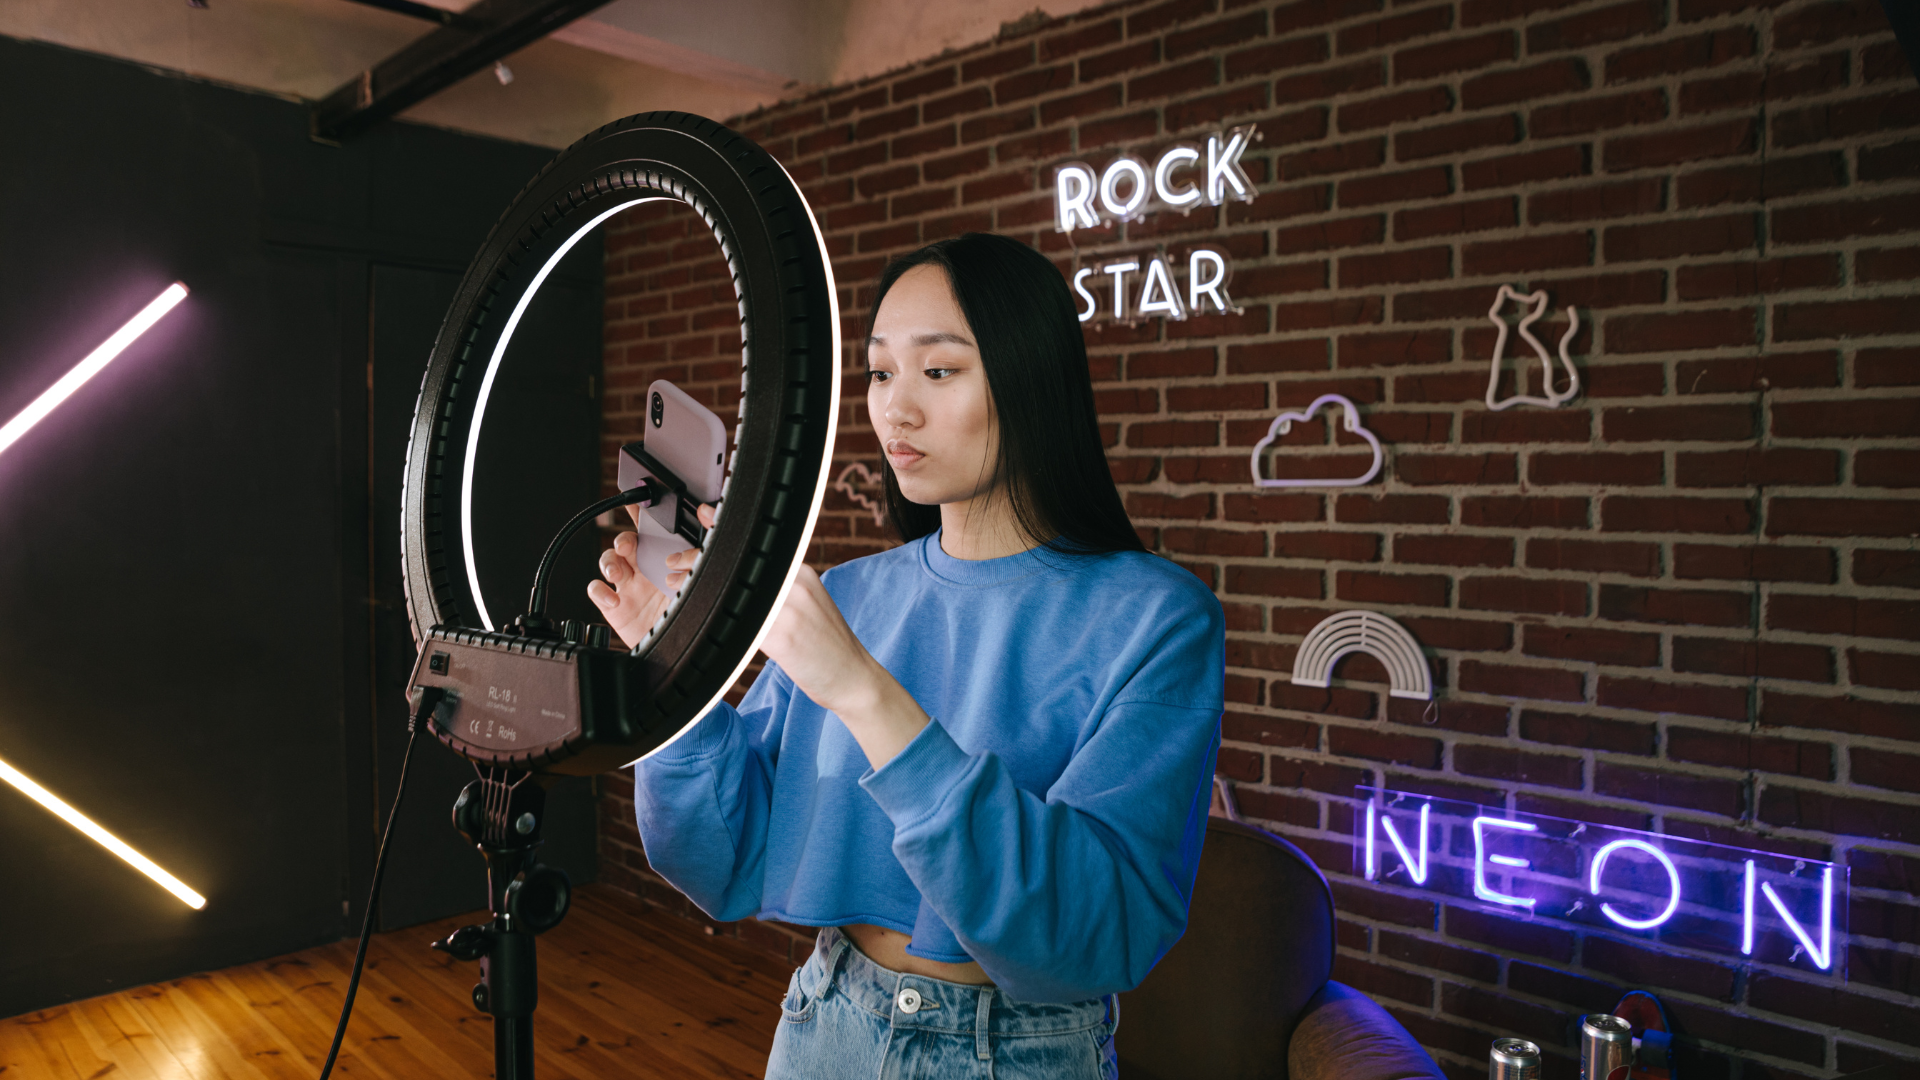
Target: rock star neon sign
column 1185, row 176
column 1685, row 893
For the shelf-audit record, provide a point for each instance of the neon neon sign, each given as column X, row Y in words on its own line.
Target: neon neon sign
column 1684, row 893
column 1185, row 176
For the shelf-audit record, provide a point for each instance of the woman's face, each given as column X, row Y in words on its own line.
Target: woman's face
column 927, row 394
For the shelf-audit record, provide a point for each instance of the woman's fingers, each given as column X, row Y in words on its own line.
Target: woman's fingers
column 707, row 515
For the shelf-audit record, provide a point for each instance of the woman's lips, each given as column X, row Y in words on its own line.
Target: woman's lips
column 902, row 454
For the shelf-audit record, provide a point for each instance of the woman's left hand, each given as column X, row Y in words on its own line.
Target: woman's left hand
column 813, row 644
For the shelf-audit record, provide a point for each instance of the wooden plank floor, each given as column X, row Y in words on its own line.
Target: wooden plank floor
column 625, row 991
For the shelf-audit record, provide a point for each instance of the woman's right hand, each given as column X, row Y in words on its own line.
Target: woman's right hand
column 628, row 601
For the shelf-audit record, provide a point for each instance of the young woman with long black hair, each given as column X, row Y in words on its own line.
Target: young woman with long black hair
column 981, row 760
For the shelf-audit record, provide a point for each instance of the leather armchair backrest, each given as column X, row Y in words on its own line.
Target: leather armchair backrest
column 1223, row 1002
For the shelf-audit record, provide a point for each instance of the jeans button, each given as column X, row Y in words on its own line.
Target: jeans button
column 909, row 1001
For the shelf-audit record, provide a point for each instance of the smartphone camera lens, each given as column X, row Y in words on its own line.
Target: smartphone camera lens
column 659, row 409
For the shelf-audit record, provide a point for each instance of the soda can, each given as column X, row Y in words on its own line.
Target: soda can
column 1606, row 1047
column 1513, row 1059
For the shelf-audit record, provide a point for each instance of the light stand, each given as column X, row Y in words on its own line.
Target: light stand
column 502, row 813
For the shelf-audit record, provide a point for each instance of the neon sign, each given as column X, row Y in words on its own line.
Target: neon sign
column 1684, row 893
column 1185, row 176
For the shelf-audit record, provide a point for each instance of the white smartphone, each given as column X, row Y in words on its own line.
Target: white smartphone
column 687, row 439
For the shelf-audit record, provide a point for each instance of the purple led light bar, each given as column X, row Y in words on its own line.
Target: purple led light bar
column 92, row 365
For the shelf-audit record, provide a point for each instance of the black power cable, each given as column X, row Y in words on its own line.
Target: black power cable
column 429, row 700
column 649, row 492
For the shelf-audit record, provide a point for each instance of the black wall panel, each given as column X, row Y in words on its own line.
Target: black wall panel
column 186, row 570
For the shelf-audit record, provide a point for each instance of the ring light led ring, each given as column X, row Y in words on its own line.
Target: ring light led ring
column 783, row 440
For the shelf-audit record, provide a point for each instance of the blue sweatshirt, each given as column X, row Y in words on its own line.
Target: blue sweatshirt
column 1046, row 824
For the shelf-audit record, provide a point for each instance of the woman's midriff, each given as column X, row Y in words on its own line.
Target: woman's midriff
column 888, row 948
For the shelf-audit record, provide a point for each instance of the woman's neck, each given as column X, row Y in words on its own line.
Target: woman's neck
column 983, row 527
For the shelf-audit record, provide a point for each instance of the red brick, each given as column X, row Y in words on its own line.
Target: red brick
column 1680, row 331
column 1370, row 587
column 1453, row 550
column 1846, row 119
column 1658, row 514
column 1455, row 468
column 1393, row 509
column 1452, row 218
column 1395, row 267
column 1843, row 517
column 1768, row 562
column 1398, row 347
column 1614, row 23
column 1748, row 468
column 1876, row 417
column 1154, row 19
column 1595, row 202
column 1421, row 753
column 1638, row 966
column 1090, row 36
column 1675, row 56
column 1660, row 696
column 1319, row 313
column 1778, row 82
column 1887, row 264
column 1328, row 546
column 1815, row 223
column 1278, row 56
column 1336, row 701
column 1530, row 596
column 1797, row 371
column 1554, row 163
column 1372, row 190
column 1524, row 512
column 1887, row 367
column 1177, row 364
column 1817, row 811
column 1679, row 146
column 1421, row 952
column 1564, row 75
column 1525, row 426
column 1507, row 935
column 1270, row 508
column 1517, row 766
column 1687, row 607
column 997, row 63
column 1895, row 161
column 1337, row 158
column 1275, row 581
column 1753, row 659
column 1668, row 239
column 1608, row 469
column 1585, row 115
column 1852, row 318
column 1379, row 33
column 1457, row 53
column 1179, row 79
column 1709, row 795
column 1888, row 671
column 1456, row 138
column 955, row 165
column 1174, row 433
column 1226, row 543
column 1851, row 616
column 1887, row 468
column 1271, row 356
column 866, row 99
column 1393, row 108
column 1505, row 680
column 1269, row 730
column 1775, row 178
column 1538, row 252
column 1617, row 647
column 1218, row 34
column 1153, row 504
column 1588, row 732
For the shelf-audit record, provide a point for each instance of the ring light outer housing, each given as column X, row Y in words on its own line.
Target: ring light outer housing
column 617, row 706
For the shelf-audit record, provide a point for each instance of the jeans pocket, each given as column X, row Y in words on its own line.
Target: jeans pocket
column 797, row 1006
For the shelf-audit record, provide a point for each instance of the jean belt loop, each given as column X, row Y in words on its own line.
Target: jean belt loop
column 829, row 965
column 982, row 1018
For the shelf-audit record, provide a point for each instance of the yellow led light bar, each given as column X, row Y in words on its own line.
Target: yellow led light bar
column 100, row 836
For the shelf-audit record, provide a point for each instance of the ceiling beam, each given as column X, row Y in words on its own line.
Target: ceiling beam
column 488, row 31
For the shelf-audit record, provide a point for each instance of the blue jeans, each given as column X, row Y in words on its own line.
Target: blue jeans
column 847, row 1018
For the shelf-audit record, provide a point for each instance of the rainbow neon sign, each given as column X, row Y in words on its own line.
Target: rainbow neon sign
column 1684, row 893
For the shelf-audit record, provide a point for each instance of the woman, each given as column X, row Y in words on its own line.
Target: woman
column 980, row 760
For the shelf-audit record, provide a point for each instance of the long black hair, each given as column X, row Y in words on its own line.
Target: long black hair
column 1035, row 359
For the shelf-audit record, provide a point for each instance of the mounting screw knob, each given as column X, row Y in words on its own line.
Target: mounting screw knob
column 480, row 996
column 524, row 824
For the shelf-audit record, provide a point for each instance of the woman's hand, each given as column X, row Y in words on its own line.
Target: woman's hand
column 813, row 644
column 629, row 602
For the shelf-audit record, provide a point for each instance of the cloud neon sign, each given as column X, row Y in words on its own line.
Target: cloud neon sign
column 1684, row 893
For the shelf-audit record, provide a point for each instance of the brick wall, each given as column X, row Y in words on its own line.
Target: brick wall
column 1688, row 601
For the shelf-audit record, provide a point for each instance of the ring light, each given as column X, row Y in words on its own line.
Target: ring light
column 558, row 705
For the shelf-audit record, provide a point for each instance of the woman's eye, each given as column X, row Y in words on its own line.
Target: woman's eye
column 939, row 373
column 877, row 376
